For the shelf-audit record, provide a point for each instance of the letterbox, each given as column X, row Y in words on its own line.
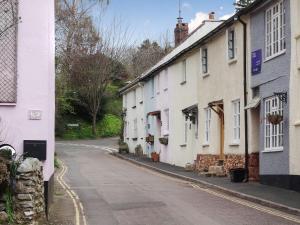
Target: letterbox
column 35, row 149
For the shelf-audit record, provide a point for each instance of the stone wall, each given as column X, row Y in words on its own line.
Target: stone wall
column 29, row 197
column 231, row 161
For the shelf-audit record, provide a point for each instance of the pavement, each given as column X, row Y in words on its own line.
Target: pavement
column 115, row 192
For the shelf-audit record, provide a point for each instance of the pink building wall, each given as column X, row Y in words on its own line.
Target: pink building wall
column 36, row 81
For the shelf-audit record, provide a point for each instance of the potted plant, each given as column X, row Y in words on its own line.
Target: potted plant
column 150, row 139
column 275, row 118
column 123, row 148
column 164, row 140
column 155, row 157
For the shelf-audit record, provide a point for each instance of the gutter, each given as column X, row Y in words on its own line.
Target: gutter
column 245, row 95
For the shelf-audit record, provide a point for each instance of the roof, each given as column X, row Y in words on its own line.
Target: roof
column 206, row 30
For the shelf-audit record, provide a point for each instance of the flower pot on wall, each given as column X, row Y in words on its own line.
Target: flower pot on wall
column 164, row 140
column 275, row 118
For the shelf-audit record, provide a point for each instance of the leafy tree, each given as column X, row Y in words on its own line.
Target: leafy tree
column 243, row 3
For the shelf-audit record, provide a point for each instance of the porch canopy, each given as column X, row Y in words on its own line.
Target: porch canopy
column 254, row 102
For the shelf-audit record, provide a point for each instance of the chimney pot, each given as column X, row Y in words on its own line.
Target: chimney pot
column 211, row 16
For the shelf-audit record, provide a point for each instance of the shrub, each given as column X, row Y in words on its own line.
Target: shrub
column 109, row 126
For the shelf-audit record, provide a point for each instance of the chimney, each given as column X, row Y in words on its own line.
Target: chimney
column 181, row 32
column 211, row 16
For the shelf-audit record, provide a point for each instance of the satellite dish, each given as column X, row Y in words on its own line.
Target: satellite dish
column 6, row 147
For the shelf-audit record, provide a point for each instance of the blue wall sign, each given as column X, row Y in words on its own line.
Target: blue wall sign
column 256, row 62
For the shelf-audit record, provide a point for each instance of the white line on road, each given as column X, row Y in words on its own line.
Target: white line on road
column 101, row 147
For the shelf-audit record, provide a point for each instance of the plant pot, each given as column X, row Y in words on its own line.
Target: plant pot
column 275, row 118
column 155, row 157
column 164, row 140
column 237, row 175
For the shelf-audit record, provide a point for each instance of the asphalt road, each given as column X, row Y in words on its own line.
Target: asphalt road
column 115, row 192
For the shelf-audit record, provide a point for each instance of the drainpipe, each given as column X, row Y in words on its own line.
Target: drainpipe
column 245, row 96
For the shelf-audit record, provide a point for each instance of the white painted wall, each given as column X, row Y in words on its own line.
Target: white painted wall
column 36, row 80
column 135, row 111
column 295, row 89
column 224, row 81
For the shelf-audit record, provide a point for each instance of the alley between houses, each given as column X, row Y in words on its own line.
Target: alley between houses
column 113, row 191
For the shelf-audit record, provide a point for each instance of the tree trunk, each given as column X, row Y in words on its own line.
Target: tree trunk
column 94, row 130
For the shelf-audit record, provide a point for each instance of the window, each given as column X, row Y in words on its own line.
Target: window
column 185, row 129
column 8, row 52
column 183, row 78
column 141, row 94
column 135, row 128
column 236, row 121
column 125, row 101
column 157, row 84
column 126, row 129
column 166, row 79
column 273, row 133
column 134, row 98
column 167, row 121
column 207, row 125
column 231, row 44
column 152, row 87
column 204, row 61
column 275, row 30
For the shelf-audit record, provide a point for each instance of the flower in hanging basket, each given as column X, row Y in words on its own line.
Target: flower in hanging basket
column 275, row 118
column 164, row 140
column 150, row 139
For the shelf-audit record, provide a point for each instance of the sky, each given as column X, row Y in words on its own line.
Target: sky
column 153, row 19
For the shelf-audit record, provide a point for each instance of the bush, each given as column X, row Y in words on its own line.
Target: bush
column 109, row 126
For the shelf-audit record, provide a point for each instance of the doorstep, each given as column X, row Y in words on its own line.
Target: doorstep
column 277, row 198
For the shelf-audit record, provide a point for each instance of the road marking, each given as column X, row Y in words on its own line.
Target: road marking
column 249, row 204
column 75, row 199
column 101, row 147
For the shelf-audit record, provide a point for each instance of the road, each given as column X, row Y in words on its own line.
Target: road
column 115, row 192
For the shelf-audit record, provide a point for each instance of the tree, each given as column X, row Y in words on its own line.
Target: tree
column 145, row 56
column 239, row 4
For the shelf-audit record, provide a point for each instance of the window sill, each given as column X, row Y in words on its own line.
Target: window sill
column 165, row 89
column 232, row 61
column 275, row 56
column 183, row 82
column 8, row 104
column 234, row 144
column 134, row 107
column 205, row 75
column 297, row 123
column 141, row 102
column 205, row 145
column 183, row 145
column 273, row 150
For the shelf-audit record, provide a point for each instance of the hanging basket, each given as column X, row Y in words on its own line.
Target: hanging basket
column 150, row 139
column 275, row 119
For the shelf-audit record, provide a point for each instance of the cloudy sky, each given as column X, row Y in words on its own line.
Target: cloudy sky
column 154, row 18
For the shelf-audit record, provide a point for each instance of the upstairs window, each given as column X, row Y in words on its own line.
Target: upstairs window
column 135, row 128
column 152, row 87
column 183, row 72
column 134, row 98
column 231, row 44
column 204, row 61
column 166, row 79
column 167, row 121
column 158, row 84
column 275, row 30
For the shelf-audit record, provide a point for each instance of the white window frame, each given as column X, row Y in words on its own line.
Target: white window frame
column 152, row 86
column 134, row 98
column 141, row 94
column 273, row 134
column 157, row 84
column 167, row 121
column 207, row 126
column 236, row 131
column 204, row 60
column 185, row 129
column 183, row 72
column 166, row 84
column 275, row 30
column 231, row 44
column 125, row 101
column 135, row 128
